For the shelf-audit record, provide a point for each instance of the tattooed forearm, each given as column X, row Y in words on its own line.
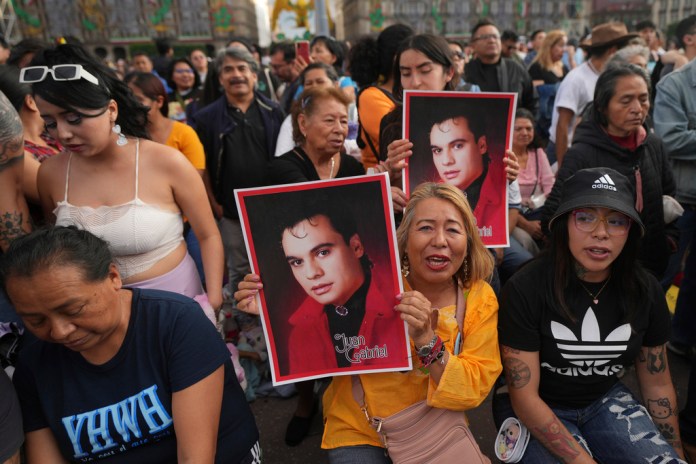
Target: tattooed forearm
column 655, row 359
column 558, row 440
column 517, row 372
column 12, row 225
column 664, row 415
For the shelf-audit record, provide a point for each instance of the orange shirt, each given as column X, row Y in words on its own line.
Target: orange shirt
column 373, row 105
column 465, row 383
column 185, row 139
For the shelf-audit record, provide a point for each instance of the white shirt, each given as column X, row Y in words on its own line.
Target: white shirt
column 574, row 93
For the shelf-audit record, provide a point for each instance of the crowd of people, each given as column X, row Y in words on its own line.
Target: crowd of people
column 128, row 303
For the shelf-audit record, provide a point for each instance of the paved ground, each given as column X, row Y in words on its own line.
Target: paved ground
column 272, row 415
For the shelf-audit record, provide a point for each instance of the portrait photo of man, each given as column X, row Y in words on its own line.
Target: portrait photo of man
column 325, row 258
column 460, row 139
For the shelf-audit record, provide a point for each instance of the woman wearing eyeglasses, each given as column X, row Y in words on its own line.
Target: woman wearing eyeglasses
column 613, row 134
column 186, row 83
column 574, row 318
column 115, row 182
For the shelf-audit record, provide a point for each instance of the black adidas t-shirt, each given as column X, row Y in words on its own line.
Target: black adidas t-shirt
column 579, row 360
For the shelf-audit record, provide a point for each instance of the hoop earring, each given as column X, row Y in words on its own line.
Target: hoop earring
column 405, row 266
column 121, row 140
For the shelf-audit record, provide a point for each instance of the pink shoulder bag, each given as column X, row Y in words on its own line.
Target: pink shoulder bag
column 421, row 434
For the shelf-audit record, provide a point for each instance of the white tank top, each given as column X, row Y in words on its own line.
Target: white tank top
column 139, row 235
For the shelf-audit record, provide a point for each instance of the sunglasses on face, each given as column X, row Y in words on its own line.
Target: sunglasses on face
column 59, row 72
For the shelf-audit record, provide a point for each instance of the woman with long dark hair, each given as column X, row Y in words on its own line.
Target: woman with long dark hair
column 371, row 63
column 115, row 182
column 327, row 50
column 186, row 88
column 573, row 319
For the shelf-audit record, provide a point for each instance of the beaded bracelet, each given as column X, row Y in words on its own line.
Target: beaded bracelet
column 436, row 353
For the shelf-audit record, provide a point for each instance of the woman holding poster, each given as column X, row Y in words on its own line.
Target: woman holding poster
column 454, row 134
column 444, row 265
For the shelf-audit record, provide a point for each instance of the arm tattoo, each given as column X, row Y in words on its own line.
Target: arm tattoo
column 517, row 372
column 508, row 350
column 557, row 441
column 12, row 225
column 660, row 410
column 656, row 362
column 11, row 136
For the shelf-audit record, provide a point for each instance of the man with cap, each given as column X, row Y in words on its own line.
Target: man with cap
column 577, row 88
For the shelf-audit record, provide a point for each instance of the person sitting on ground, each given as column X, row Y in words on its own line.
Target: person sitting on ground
column 443, row 263
column 129, row 375
column 572, row 320
column 613, row 134
column 535, row 180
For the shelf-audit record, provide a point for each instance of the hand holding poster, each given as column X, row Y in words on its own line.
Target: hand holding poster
column 460, row 138
column 327, row 257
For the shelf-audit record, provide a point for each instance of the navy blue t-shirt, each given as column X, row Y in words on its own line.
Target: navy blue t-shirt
column 121, row 411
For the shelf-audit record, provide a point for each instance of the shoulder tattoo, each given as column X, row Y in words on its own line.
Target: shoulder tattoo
column 517, row 372
column 11, row 136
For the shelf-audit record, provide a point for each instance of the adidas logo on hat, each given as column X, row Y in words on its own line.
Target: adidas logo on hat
column 604, row 182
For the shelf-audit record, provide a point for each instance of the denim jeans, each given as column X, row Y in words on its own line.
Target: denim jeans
column 615, row 429
column 235, row 251
column 361, row 454
column 684, row 320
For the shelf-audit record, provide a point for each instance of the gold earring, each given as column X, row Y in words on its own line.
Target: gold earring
column 405, row 266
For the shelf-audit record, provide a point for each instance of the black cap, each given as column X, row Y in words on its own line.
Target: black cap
column 598, row 188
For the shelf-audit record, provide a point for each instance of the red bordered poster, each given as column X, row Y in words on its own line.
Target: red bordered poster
column 460, row 138
column 327, row 255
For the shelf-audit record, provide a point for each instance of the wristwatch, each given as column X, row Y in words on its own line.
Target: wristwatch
column 425, row 350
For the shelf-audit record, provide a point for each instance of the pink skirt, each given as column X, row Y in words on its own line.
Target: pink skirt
column 183, row 279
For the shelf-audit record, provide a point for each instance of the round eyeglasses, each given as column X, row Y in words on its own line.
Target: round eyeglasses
column 616, row 223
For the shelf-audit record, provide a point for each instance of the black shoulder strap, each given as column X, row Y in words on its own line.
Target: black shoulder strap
column 362, row 135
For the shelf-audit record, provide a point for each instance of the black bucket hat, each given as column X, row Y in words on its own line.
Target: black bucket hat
column 598, row 188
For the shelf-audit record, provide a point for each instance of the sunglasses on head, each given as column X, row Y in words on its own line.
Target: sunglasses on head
column 59, row 72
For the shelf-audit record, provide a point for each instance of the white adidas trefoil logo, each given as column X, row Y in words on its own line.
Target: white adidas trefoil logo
column 604, row 182
column 590, row 350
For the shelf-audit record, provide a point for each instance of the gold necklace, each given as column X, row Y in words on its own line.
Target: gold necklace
column 595, row 297
column 333, row 163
